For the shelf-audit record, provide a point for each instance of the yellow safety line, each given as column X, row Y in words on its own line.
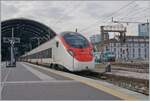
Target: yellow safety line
column 97, row 85
column 93, row 83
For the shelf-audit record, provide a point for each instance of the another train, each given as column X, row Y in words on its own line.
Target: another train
column 108, row 56
column 68, row 50
column 104, row 57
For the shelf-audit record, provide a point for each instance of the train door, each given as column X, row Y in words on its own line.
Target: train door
column 55, row 52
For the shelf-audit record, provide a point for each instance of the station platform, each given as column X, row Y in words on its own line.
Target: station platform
column 31, row 82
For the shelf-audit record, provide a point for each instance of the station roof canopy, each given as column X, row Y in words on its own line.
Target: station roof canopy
column 30, row 32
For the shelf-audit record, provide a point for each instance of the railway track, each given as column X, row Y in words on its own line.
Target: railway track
column 134, row 84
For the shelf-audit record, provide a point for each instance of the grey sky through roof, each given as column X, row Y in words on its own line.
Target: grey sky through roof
column 87, row 16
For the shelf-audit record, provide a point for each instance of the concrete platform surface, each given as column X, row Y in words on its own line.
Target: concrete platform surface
column 28, row 82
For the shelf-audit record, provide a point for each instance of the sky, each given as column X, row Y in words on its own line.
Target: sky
column 86, row 16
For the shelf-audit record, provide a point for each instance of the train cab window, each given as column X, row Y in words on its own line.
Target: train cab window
column 76, row 40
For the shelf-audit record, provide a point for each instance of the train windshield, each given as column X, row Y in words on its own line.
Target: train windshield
column 76, row 40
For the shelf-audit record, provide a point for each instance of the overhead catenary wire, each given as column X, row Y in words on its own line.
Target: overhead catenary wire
column 69, row 12
column 129, row 11
column 123, row 7
column 137, row 18
column 138, row 12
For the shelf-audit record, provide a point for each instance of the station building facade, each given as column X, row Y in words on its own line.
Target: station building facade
column 135, row 47
column 144, row 29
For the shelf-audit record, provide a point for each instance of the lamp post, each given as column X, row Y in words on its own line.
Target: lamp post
column 12, row 41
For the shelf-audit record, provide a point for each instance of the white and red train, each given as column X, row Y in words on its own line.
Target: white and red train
column 69, row 50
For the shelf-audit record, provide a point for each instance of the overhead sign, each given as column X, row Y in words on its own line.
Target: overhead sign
column 114, row 28
column 9, row 39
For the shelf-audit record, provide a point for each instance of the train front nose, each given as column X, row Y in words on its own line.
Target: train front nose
column 78, row 65
column 79, row 48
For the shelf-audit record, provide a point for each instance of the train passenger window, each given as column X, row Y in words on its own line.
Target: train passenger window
column 46, row 53
column 36, row 56
column 43, row 54
column 33, row 56
column 40, row 54
column 50, row 53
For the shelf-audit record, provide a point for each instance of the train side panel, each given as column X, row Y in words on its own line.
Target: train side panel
column 59, row 54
